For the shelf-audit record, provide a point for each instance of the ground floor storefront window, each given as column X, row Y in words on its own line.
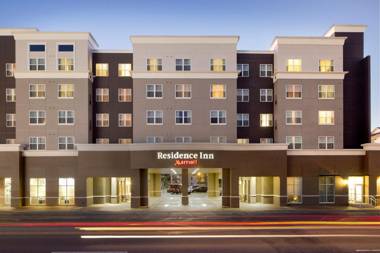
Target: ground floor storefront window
column 66, row 191
column 5, row 191
column 294, row 190
column 37, row 191
column 326, row 189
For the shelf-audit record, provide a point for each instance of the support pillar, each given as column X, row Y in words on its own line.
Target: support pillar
column 144, row 188
column 139, row 188
column 185, row 186
column 235, row 197
column 2, row 191
column 226, row 188
column 372, row 188
column 283, row 191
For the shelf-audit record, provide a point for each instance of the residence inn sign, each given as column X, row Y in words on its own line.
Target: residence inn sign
column 185, row 159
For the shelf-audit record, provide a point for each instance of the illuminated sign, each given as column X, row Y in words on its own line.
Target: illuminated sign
column 185, row 159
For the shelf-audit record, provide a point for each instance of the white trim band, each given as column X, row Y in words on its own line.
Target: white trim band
column 328, row 152
column 52, row 75
column 310, row 75
column 194, row 75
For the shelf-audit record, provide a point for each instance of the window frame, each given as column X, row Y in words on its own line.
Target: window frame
column 243, row 70
column 38, row 142
column 224, row 91
column 241, row 93
column 10, row 117
column 215, row 68
column 266, row 117
column 104, row 72
column 266, row 95
column 326, row 185
column 37, row 91
column 266, row 70
column 326, row 142
column 11, row 95
column 102, row 95
column 183, row 92
column 321, row 92
column 155, row 91
column 243, row 118
column 127, row 122
column 65, row 91
column 294, row 120
column 38, row 117
column 155, row 112
column 121, row 72
column 183, row 66
column 293, row 142
column 293, row 91
column 102, row 118
column 326, row 123
column 157, row 67
column 183, row 118
column 218, row 117
column 123, row 98
column 296, row 185
column 10, row 68
column 66, row 117
column 66, row 143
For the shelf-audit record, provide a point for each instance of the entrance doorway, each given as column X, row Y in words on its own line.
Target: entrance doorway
column 356, row 190
column 255, row 191
column 109, row 190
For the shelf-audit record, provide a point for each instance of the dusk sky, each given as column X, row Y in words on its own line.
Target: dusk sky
column 256, row 22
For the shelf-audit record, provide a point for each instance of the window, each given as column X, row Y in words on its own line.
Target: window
column 153, row 64
column 125, row 140
column 66, row 48
column 10, row 141
column 218, row 117
column 37, row 142
column 243, row 141
column 37, row 191
column 326, row 65
column 154, row 117
column 66, row 191
column 9, row 69
column 243, row 120
column 10, row 95
column 37, row 64
column 10, row 119
column 294, row 65
column 294, row 190
column 182, row 64
column 266, row 95
column 242, row 95
column 101, row 69
column 124, row 69
column 326, row 142
column 37, row 48
column 65, row 64
column 102, row 120
column 154, row 139
column 66, row 117
column 243, row 70
column 293, row 117
column 266, row 70
column 102, row 141
column 124, row 95
column 218, row 91
column 326, row 118
column 102, row 95
column 37, row 117
column 183, row 117
column 65, row 91
column 294, row 142
column 183, row 139
column 65, row 142
column 37, row 91
column 326, row 189
column 154, row 90
column 293, row 91
column 218, row 139
column 266, row 140
column 125, row 120
column 183, row 91
column 218, row 65
column 266, row 120
column 326, row 91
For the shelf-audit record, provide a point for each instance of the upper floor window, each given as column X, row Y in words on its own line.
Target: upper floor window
column 154, row 64
column 102, row 95
column 101, row 69
column 65, row 48
column 183, row 117
column 243, row 70
column 218, row 139
column 125, row 120
column 183, row 64
column 10, row 120
column 218, row 117
column 294, row 65
column 66, row 117
column 37, row 142
column 326, row 65
column 326, row 142
column 124, row 140
column 37, row 64
column 124, row 95
column 294, row 142
column 266, row 140
column 266, row 119
column 102, row 141
column 10, row 95
column 218, row 65
column 218, row 91
column 154, row 90
column 242, row 141
column 37, row 91
column 326, row 118
column 9, row 69
column 65, row 90
column 37, row 117
column 243, row 120
column 266, row 70
column 293, row 91
column 293, row 117
column 10, row 141
column 124, row 69
column 37, row 48
column 66, row 142
column 65, row 64
column 242, row 95
column 154, row 139
column 154, row 117
column 102, row 120
column 183, row 139
column 326, row 91
column 266, row 95
column 183, row 91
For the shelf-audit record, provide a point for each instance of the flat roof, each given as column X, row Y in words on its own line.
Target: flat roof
column 345, row 28
column 307, row 40
column 186, row 39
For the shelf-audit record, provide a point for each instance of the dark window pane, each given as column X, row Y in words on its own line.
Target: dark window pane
column 65, row 48
column 37, row 48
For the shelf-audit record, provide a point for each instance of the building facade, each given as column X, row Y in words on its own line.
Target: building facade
column 81, row 125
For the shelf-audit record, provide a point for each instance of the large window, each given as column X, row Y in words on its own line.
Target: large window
column 10, row 120
column 266, row 70
column 218, row 117
column 266, row 120
column 326, row 142
column 242, row 95
column 9, row 69
column 294, row 142
column 154, row 117
column 266, row 95
column 154, row 139
column 326, row 91
column 326, row 117
column 37, row 191
column 102, row 95
column 183, row 91
column 218, row 65
column 66, row 191
column 65, row 64
column 102, row 141
column 154, row 91
column 65, row 91
column 183, row 139
column 326, row 65
column 37, row 91
column 66, row 143
column 293, row 117
column 293, row 91
column 243, row 70
column 37, row 142
column 10, row 95
column 66, row 117
column 218, row 91
column 37, row 117
column 183, row 117
column 37, row 64
column 124, row 69
column 102, row 120
column 326, row 189
column 124, row 95
column 101, row 69
column 218, row 139
column 182, row 64
column 153, row 64
column 294, row 189
column 294, row 65
column 243, row 120
column 125, row 119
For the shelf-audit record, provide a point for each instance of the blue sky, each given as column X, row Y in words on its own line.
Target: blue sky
column 255, row 21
